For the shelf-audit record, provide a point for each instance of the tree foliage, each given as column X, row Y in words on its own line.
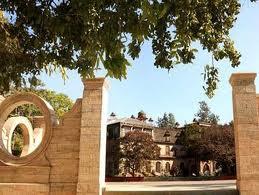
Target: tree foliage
column 137, row 148
column 167, row 121
column 79, row 34
column 60, row 102
column 205, row 115
column 189, row 138
column 219, row 144
column 210, row 143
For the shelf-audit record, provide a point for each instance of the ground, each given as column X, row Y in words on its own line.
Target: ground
column 224, row 187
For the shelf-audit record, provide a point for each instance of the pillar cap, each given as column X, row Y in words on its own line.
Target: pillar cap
column 242, row 78
column 95, row 83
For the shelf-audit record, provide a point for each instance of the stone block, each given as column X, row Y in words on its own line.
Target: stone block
column 24, row 174
column 63, row 188
column 24, row 189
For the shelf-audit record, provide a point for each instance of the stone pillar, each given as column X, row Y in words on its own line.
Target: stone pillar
column 91, row 175
column 246, row 132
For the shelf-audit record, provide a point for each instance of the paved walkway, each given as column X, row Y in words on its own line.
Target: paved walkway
column 172, row 186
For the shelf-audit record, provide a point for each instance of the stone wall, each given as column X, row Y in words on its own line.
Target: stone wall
column 63, row 152
column 70, row 160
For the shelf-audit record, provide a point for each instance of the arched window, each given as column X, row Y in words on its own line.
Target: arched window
column 158, row 167
column 206, row 169
column 167, row 167
column 167, row 136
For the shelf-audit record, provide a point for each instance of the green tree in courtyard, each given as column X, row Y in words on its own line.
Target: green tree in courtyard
column 167, row 121
column 79, row 34
column 215, row 142
column 205, row 115
column 137, row 148
column 190, row 138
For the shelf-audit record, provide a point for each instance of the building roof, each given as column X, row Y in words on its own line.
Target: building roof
column 131, row 122
column 202, row 124
column 159, row 135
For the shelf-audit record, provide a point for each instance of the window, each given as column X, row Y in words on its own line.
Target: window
column 116, row 133
column 167, row 136
column 167, row 167
column 149, row 131
column 113, row 132
column 127, row 129
column 167, row 150
column 158, row 167
column 109, row 133
column 137, row 129
column 206, row 170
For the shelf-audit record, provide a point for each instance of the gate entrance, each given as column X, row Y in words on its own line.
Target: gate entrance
column 71, row 156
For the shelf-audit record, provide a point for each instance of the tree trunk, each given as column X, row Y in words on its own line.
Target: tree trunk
column 133, row 171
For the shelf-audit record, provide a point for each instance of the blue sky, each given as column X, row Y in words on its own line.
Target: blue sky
column 156, row 91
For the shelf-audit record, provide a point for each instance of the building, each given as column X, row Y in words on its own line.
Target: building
column 173, row 158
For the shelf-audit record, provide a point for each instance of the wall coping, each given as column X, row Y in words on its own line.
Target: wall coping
column 95, row 83
column 237, row 78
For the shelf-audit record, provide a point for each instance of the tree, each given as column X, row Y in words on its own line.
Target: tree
column 137, row 148
column 60, row 102
column 167, row 121
column 219, row 145
column 190, row 138
column 210, row 143
column 205, row 115
column 142, row 116
column 78, row 35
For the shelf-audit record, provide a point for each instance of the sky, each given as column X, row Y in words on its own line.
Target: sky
column 156, row 91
